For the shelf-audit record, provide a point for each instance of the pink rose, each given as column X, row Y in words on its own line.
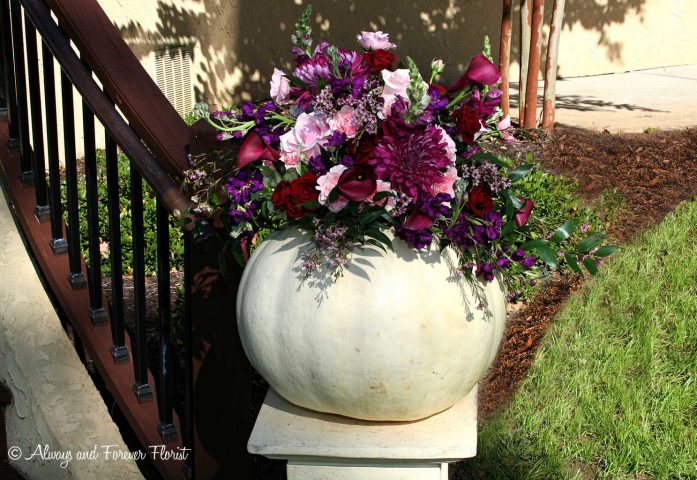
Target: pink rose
column 280, row 86
column 396, row 83
column 344, row 121
column 450, row 147
column 304, row 140
column 326, row 183
column 375, row 41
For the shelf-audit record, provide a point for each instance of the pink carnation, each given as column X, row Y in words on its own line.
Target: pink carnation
column 326, row 183
column 344, row 121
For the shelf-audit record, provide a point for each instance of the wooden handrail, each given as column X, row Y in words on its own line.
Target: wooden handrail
column 101, row 106
column 147, row 109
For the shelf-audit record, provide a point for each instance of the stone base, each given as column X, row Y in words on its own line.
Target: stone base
column 321, row 446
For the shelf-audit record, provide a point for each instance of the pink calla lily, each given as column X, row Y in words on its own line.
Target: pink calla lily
column 358, row 183
column 523, row 213
column 481, row 70
column 254, row 148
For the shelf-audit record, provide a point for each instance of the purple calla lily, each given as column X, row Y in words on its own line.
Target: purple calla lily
column 358, row 183
column 523, row 213
column 481, row 70
column 253, row 148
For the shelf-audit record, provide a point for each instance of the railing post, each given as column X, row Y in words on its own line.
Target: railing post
column 8, row 74
column 26, row 172
column 220, row 440
column 41, row 210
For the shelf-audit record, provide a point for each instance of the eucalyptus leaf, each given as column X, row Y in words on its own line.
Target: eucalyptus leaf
column 533, row 244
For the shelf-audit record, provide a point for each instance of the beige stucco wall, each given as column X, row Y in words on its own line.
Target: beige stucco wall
column 236, row 43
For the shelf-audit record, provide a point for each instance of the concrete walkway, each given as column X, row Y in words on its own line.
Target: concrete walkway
column 661, row 98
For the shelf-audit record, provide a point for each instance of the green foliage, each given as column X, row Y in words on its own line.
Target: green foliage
column 612, row 392
column 149, row 215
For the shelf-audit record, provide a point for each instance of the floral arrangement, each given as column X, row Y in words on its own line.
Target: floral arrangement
column 355, row 145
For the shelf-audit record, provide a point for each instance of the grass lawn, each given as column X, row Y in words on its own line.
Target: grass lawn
column 613, row 391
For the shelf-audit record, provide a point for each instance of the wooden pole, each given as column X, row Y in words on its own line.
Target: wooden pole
column 505, row 53
column 548, row 107
column 534, row 64
column 525, row 23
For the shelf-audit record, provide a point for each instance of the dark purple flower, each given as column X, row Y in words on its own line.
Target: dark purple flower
column 411, row 160
column 242, row 185
column 317, row 165
column 336, row 140
column 438, row 101
column 312, row 70
column 503, row 263
column 437, row 206
column 417, row 239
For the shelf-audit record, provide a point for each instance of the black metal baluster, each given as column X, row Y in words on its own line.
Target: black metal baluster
column 94, row 271
column 187, row 419
column 58, row 243
column 75, row 277
column 37, row 125
column 26, row 175
column 165, row 391
column 141, row 388
column 119, row 350
column 8, row 74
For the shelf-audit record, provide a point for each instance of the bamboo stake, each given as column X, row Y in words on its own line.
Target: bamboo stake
column 525, row 22
column 505, row 53
column 548, row 107
column 534, row 63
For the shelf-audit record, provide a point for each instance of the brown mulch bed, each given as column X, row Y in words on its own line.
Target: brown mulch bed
column 652, row 172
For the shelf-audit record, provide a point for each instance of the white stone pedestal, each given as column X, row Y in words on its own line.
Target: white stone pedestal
column 320, row 446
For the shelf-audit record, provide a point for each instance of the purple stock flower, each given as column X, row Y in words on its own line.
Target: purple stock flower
column 317, row 165
column 418, row 239
column 336, row 140
column 528, row 262
column 243, row 184
column 485, row 270
column 518, row 255
column 503, row 263
column 436, row 206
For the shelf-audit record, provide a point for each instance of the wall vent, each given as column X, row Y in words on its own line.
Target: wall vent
column 173, row 76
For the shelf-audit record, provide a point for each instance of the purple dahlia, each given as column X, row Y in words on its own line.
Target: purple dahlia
column 412, row 160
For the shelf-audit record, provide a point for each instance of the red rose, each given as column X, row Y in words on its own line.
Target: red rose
column 479, row 201
column 303, row 189
column 467, row 122
column 282, row 200
column 288, row 196
column 379, row 60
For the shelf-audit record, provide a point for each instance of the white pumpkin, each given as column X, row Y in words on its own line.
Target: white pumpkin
column 397, row 337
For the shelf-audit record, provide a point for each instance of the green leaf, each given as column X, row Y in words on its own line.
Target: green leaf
column 571, row 261
column 533, row 244
column 591, row 242
column 380, row 195
column 606, row 250
column 565, row 231
column 520, row 171
column 370, row 216
column 377, row 244
column 589, row 263
column 508, row 228
column 380, row 237
column 310, row 205
column 482, row 157
column 333, row 195
column 548, row 256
